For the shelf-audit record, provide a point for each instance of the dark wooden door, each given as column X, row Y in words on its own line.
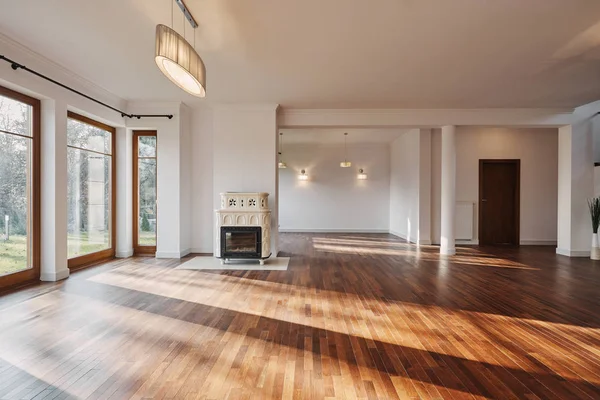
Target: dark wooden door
column 499, row 202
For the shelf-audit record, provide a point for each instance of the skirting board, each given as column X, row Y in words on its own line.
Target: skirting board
column 527, row 242
column 333, row 231
column 573, row 253
column 54, row 276
column 173, row 254
column 124, row 254
column 203, row 251
column 473, row 242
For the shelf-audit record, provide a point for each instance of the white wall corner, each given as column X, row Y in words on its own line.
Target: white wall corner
column 402, row 236
column 184, row 252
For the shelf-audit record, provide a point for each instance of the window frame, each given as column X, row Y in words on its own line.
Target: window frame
column 30, row 274
column 87, row 260
column 137, row 249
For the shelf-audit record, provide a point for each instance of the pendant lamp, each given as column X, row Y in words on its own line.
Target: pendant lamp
column 178, row 60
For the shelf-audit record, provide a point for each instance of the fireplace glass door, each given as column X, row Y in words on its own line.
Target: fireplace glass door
column 241, row 242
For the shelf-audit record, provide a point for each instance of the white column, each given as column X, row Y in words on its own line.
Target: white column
column 448, row 190
column 424, row 228
column 54, row 191
column 124, row 193
column 575, row 187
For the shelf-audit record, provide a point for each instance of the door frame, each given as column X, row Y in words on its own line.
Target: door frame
column 90, row 259
column 140, row 250
column 517, row 200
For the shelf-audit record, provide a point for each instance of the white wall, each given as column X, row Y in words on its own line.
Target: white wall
column 185, row 180
column 172, row 236
column 576, row 181
column 245, row 155
column 597, row 181
column 202, row 180
column 333, row 199
column 538, row 151
column 404, row 186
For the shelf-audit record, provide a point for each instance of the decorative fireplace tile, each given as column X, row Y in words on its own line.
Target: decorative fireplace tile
column 245, row 210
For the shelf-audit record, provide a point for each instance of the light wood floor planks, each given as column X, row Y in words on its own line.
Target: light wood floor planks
column 356, row 316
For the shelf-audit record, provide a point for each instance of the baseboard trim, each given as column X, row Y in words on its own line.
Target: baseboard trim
column 54, row 276
column 473, row 242
column 203, row 252
column 402, row 236
column 333, row 231
column 124, row 254
column 167, row 254
column 572, row 253
column 533, row 242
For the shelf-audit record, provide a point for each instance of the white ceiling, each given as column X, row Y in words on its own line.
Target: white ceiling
column 333, row 53
column 335, row 136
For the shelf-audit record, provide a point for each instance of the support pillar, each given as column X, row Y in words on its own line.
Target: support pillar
column 448, row 200
column 54, row 191
column 124, row 244
column 575, row 187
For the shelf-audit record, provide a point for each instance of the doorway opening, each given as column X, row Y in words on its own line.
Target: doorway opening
column 144, row 192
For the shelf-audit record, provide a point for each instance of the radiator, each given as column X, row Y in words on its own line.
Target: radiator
column 465, row 217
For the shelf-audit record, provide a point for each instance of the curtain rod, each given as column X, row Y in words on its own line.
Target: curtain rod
column 15, row 65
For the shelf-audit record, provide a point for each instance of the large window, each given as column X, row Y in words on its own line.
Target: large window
column 90, row 190
column 144, row 192
column 19, row 188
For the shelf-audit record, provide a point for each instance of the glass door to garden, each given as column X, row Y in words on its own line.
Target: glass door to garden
column 19, row 188
column 90, row 190
column 144, row 192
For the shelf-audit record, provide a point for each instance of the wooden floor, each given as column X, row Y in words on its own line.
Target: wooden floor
column 355, row 316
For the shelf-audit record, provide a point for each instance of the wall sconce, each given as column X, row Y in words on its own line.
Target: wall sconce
column 303, row 176
column 361, row 175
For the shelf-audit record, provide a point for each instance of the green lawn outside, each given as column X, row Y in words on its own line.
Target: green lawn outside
column 147, row 239
column 13, row 253
column 79, row 245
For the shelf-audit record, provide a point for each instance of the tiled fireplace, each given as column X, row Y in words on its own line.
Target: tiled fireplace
column 243, row 227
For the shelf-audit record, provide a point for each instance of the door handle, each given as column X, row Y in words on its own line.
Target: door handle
column 483, row 199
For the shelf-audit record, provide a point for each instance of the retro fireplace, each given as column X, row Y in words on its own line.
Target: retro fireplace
column 243, row 227
column 241, row 242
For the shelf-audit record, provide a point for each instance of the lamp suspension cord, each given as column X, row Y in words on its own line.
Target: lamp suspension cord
column 345, row 149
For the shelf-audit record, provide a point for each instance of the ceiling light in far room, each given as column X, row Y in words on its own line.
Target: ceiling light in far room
column 345, row 163
column 281, row 164
column 177, row 58
column 361, row 175
column 303, row 176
